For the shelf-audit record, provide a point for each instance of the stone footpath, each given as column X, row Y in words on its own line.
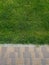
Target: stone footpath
column 24, row 55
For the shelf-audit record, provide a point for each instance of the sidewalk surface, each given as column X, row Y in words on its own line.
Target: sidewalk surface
column 24, row 55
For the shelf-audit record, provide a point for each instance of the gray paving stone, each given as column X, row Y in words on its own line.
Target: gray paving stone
column 43, row 61
column 17, row 50
column 26, row 53
column 2, row 58
column 13, row 58
column 3, row 51
column 31, row 61
column 45, row 53
column 36, row 52
column 26, row 56
column 4, row 61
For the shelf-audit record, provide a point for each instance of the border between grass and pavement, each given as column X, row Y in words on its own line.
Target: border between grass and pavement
column 21, row 45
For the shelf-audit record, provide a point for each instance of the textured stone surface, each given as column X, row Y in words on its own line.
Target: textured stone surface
column 24, row 55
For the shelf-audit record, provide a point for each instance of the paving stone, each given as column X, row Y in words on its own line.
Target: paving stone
column 31, row 62
column 36, row 52
column 43, row 61
column 24, row 55
column 47, row 61
column 45, row 53
column 31, row 50
column 3, row 60
column 17, row 50
column 13, row 58
column 37, row 61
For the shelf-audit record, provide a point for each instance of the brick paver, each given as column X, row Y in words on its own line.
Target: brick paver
column 24, row 55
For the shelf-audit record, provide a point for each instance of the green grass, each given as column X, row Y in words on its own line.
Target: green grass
column 24, row 21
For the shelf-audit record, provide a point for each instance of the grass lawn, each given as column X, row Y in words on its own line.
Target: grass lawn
column 24, row 21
